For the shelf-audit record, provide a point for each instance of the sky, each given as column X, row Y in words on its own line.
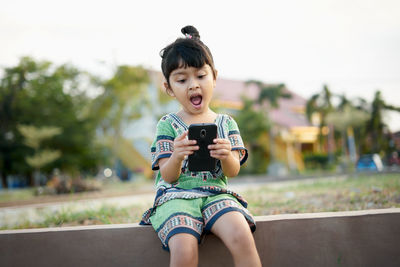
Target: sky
column 353, row 46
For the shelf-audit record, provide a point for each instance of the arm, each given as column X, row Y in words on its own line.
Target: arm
column 170, row 168
column 222, row 150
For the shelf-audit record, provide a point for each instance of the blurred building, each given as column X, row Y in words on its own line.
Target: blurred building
column 293, row 133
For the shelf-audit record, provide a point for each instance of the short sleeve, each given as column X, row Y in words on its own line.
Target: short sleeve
column 163, row 143
column 236, row 140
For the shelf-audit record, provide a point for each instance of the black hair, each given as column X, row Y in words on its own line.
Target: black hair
column 186, row 52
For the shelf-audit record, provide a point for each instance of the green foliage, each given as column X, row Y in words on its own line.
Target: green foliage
column 37, row 93
column 271, row 93
column 346, row 117
column 42, row 158
column 316, row 161
column 124, row 100
column 320, row 104
column 366, row 119
column 253, row 124
column 258, row 123
column 375, row 126
column 33, row 137
column 124, row 97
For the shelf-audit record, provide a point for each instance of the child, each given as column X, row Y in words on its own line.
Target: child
column 189, row 204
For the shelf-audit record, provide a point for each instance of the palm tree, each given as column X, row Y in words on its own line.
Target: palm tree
column 269, row 97
column 319, row 105
column 375, row 126
column 254, row 125
column 345, row 119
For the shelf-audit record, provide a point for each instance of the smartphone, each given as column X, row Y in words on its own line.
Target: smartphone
column 204, row 134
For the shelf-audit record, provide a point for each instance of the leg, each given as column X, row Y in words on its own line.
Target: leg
column 184, row 250
column 233, row 229
column 179, row 224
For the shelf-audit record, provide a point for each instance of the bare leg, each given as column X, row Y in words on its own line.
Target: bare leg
column 234, row 231
column 184, row 250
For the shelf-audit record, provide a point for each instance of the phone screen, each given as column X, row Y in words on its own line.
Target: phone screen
column 204, row 134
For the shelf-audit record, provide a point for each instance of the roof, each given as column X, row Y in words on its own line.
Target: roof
column 228, row 93
column 290, row 113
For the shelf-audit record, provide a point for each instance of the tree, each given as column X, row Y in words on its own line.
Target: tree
column 268, row 98
column 319, row 106
column 122, row 102
column 33, row 138
column 37, row 93
column 345, row 119
column 375, row 126
column 270, row 94
column 254, row 125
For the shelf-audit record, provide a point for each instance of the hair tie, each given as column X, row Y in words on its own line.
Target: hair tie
column 187, row 35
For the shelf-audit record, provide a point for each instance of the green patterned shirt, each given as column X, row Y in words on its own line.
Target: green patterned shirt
column 171, row 126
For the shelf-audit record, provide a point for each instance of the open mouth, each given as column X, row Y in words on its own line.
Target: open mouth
column 196, row 100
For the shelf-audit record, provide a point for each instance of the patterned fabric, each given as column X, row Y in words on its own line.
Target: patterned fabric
column 194, row 216
column 166, row 194
column 171, row 126
column 197, row 199
column 216, row 209
column 179, row 223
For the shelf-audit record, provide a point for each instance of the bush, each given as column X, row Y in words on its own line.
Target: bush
column 316, row 161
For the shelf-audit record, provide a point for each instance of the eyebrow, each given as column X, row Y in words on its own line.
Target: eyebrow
column 183, row 72
column 178, row 73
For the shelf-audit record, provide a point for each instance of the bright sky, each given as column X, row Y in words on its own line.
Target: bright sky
column 352, row 46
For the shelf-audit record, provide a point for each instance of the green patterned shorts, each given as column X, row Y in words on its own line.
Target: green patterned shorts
column 194, row 216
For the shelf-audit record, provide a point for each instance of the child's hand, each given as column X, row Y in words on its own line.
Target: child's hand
column 183, row 147
column 221, row 149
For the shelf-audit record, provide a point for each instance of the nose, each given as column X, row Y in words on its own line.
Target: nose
column 194, row 84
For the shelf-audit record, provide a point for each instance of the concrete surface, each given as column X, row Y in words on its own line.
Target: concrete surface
column 355, row 238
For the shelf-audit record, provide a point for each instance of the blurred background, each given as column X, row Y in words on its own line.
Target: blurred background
column 314, row 86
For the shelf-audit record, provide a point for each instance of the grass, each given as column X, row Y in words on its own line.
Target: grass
column 301, row 196
column 107, row 188
column 16, row 195
column 103, row 215
column 326, row 195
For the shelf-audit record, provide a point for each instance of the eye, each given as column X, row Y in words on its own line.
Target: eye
column 181, row 81
column 201, row 76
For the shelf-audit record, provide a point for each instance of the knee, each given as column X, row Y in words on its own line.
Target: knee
column 241, row 240
column 184, row 256
column 183, row 252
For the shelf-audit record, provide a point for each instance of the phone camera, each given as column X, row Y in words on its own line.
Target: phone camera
column 203, row 133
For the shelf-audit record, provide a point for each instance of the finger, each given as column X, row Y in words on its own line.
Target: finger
column 220, row 152
column 187, row 148
column 186, row 142
column 219, row 146
column 221, row 141
column 218, row 156
column 182, row 136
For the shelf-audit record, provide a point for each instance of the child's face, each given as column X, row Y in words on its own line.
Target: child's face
column 192, row 87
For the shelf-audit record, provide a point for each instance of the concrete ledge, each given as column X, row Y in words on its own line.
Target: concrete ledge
column 355, row 238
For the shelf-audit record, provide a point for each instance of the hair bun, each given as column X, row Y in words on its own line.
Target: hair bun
column 192, row 31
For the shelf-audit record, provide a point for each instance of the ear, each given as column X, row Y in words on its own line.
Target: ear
column 215, row 78
column 168, row 89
